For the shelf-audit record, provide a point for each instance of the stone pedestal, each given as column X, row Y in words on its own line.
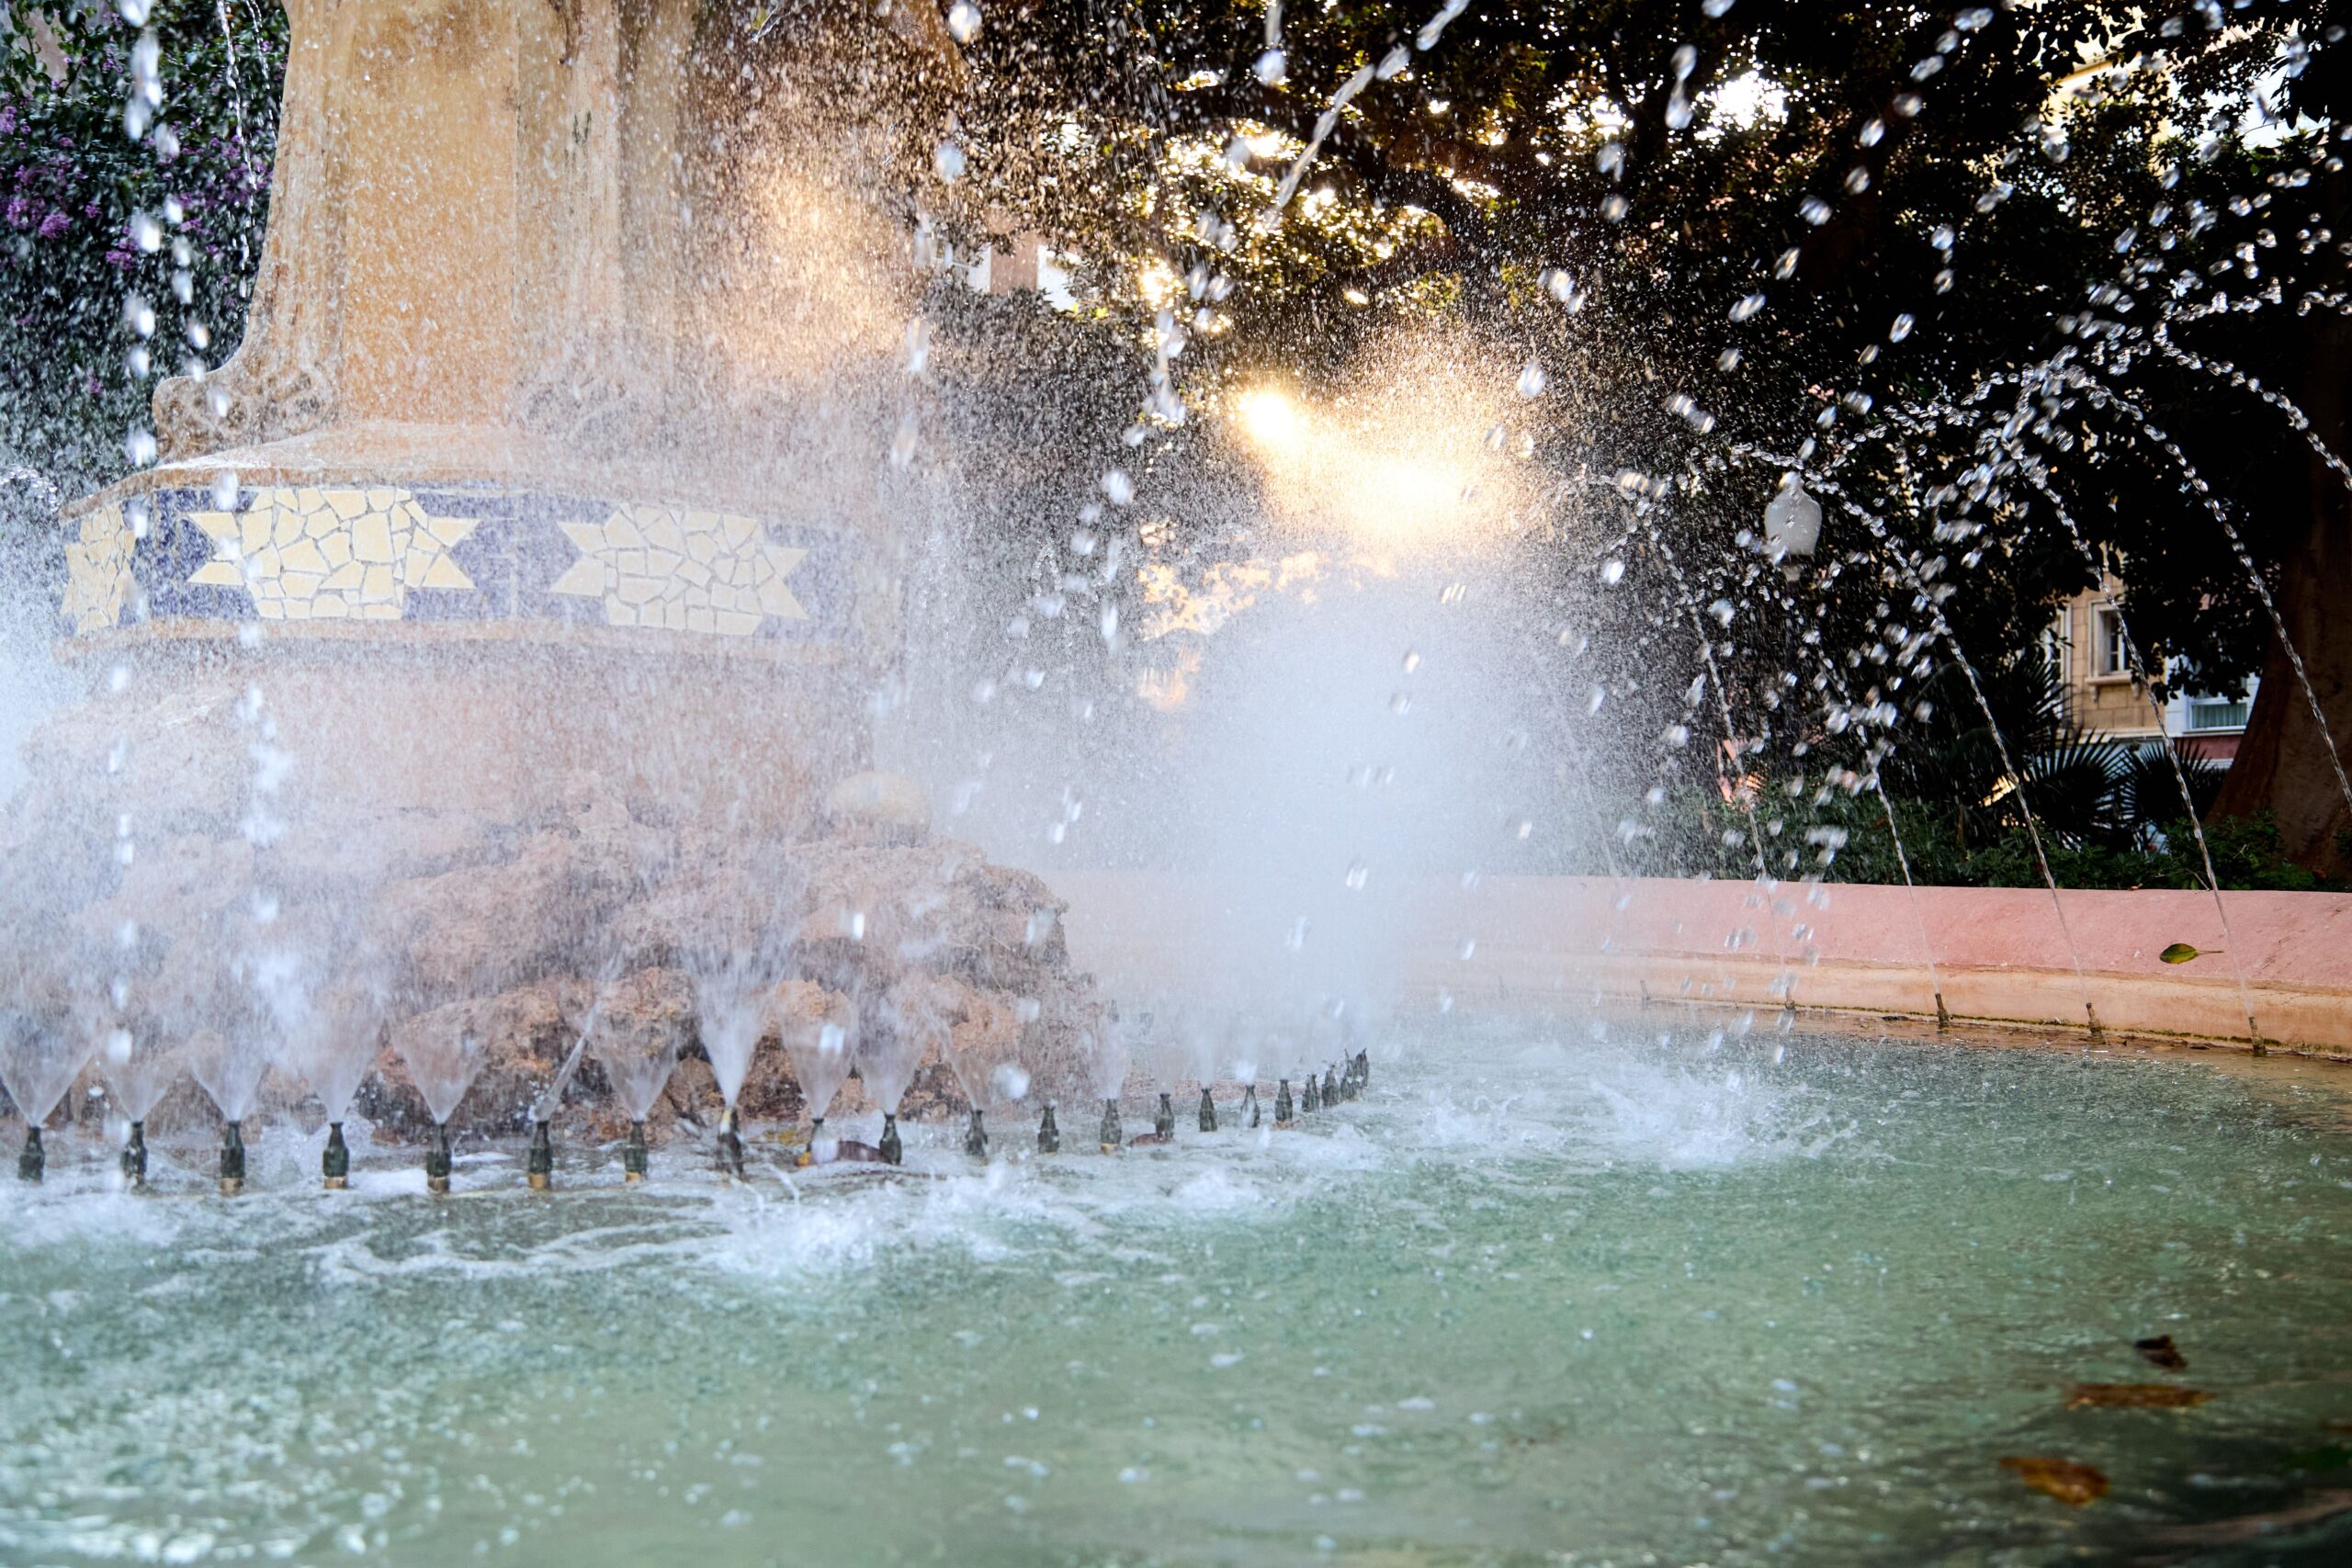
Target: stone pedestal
column 558, row 437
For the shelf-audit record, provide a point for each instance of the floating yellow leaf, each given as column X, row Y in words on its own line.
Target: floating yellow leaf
column 2073, row 1484
column 2134, row 1396
column 2178, row 953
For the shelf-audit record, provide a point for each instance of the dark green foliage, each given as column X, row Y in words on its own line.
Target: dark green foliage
column 72, row 185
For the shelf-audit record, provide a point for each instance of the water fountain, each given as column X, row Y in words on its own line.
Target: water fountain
column 545, row 700
column 140, row 1060
column 228, row 1061
column 333, row 1045
column 911, row 1025
column 1111, row 1050
column 445, row 1054
column 639, row 1026
column 818, row 1029
column 728, row 1024
column 38, row 1064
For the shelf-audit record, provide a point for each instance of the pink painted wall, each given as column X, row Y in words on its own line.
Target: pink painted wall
column 1998, row 954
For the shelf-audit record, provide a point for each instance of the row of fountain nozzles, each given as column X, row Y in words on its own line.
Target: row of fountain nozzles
column 1344, row 1082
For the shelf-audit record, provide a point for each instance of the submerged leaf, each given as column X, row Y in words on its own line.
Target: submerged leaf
column 2073, row 1484
column 2134, row 1396
column 2160, row 1352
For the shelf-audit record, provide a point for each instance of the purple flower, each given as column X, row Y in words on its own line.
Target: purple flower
column 53, row 225
column 121, row 261
column 20, row 212
column 8, row 119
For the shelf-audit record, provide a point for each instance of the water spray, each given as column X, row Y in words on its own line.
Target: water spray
column 633, row 1155
column 334, row 1164
column 1285, row 1112
column 1208, row 1110
column 976, row 1137
column 1049, row 1137
column 1113, row 1133
column 893, row 1151
column 232, row 1158
column 436, row 1160
column 540, row 1167
column 134, row 1157
column 30, row 1163
column 1163, row 1125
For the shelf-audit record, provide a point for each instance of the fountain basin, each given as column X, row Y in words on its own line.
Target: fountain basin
column 1534, row 1295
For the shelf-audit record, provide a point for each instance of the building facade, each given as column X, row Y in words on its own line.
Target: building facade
column 2094, row 662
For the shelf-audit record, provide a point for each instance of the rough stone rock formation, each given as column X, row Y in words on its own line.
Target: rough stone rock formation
column 607, row 914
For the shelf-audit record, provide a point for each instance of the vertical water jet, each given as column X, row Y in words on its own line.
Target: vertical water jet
column 730, row 1144
column 232, row 1158
column 134, row 1157
column 540, row 1165
column 638, row 1024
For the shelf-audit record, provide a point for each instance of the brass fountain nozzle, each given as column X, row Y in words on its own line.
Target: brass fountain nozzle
column 1113, row 1132
column 1311, row 1100
column 633, row 1154
column 233, row 1159
column 1163, row 1125
column 334, row 1164
column 1249, row 1105
column 816, row 1135
column 730, row 1145
column 538, row 1166
column 893, row 1151
column 1049, row 1137
column 1208, row 1110
column 30, row 1162
column 976, row 1137
column 1331, row 1087
column 1285, row 1112
column 134, row 1157
column 436, row 1159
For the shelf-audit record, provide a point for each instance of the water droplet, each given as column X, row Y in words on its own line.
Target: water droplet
column 1530, row 381
column 948, row 160
column 963, row 21
column 1612, row 571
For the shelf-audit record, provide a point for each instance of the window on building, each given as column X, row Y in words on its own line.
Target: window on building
column 2207, row 715
column 2109, row 656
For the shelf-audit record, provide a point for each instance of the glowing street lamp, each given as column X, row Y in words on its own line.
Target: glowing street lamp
column 1270, row 419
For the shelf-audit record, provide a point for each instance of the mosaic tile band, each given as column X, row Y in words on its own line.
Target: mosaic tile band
column 297, row 553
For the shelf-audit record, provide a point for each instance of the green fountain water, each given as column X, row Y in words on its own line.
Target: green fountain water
column 1535, row 1298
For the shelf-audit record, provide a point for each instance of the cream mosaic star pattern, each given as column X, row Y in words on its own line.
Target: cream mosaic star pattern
column 98, row 572
column 689, row 572
column 317, row 554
